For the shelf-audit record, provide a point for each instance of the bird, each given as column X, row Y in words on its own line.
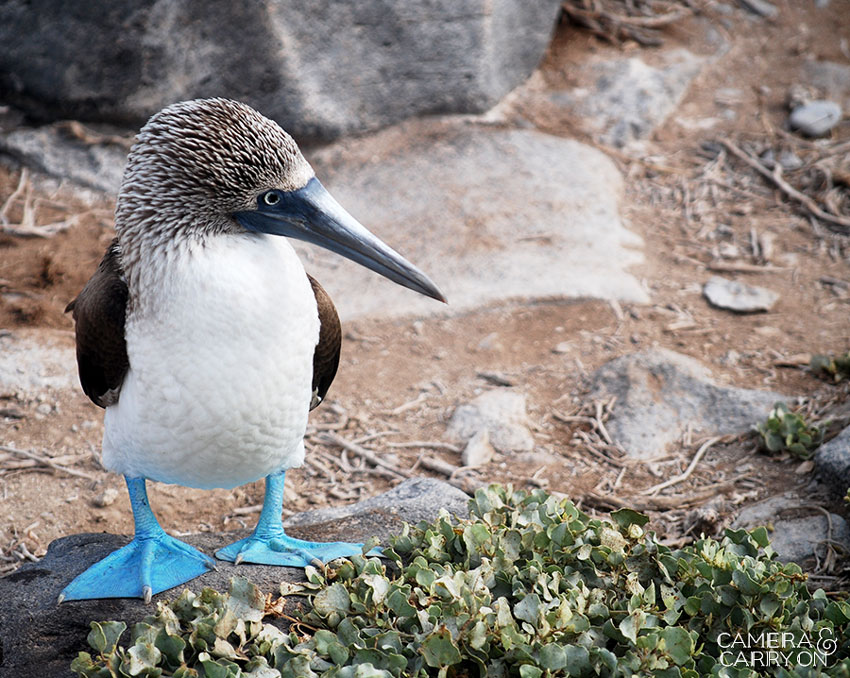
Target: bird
column 203, row 337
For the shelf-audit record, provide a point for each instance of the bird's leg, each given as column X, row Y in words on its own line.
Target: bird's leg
column 270, row 545
column 152, row 562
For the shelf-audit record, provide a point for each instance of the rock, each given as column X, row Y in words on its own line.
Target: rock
column 624, row 100
column 106, row 498
column 501, row 413
column 787, row 158
column 48, row 149
column 478, row 450
column 38, row 637
column 490, row 213
column 414, row 500
column 816, row 118
column 794, row 537
column 762, row 8
column 321, row 70
column 832, row 463
column 562, row 347
column 660, row 393
column 737, row 296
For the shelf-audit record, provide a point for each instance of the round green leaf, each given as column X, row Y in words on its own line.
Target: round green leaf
column 679, row 644
column 439, row 649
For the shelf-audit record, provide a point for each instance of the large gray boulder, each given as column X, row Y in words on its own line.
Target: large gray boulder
column 832, row 464
column 794, row 535
column 321, row 69
column 40, row 638
column 660, row 393
column 624, row 100
column 490, row 213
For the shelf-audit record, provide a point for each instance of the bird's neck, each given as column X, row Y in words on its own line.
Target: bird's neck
column 152, row 250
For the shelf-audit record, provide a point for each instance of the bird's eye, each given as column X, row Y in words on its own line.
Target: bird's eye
column 270, row 198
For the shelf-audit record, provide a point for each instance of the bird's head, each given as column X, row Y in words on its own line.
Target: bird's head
column 217, row 168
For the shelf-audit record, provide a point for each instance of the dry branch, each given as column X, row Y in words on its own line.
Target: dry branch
column 368, row 455
column 615, row 20
column 46, row 461
column 655, row 489
column 776, row 177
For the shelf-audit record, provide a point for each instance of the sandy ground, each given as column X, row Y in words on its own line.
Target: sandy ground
column 400, row 380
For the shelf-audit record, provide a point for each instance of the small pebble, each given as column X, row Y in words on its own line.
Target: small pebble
column 816, row 118
column 790, row 160
column 489, row 343
column 740, row 297
column 106, row 498
column 563, row 347
column 760, row 7
column 478, row 450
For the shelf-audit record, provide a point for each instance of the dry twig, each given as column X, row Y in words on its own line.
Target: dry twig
column 617, row 21
column 368, row 455
column 46, row 461
column 655, row 489
column 776, row 177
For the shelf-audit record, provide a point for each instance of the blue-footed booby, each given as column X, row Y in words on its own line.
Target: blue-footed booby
column 203, row 337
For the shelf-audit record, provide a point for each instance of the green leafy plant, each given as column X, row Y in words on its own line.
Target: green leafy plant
column 784, row 430
column 528, row 586
column 836, row 367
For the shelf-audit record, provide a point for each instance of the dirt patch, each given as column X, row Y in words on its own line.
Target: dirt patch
column 701, row 212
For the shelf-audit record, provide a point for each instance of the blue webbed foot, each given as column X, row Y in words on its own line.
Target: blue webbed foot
column 145, row 566
column 278, row 548
column 153, row 562
column 270, row 545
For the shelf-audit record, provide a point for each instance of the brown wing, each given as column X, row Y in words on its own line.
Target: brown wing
column 326, row 355
column 99, row 314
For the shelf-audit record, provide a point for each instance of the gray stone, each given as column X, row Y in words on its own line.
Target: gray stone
column 737, row 296
column 321, row 69
column 501, row 413
column 816, row 118
column 794, row 537
column 106, row 498
column 40, row 638
column 627, row 98
column 47, row 149
column 762, row 8
column 832, row 463
column 661, row 393
column 414, row 500
column 478, row 450
column 491, row 214
column 788, row 159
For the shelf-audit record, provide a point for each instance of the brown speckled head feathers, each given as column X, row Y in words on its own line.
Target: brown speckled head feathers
column 194, row 164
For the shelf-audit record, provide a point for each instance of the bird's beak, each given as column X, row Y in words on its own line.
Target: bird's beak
column 311, row 214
